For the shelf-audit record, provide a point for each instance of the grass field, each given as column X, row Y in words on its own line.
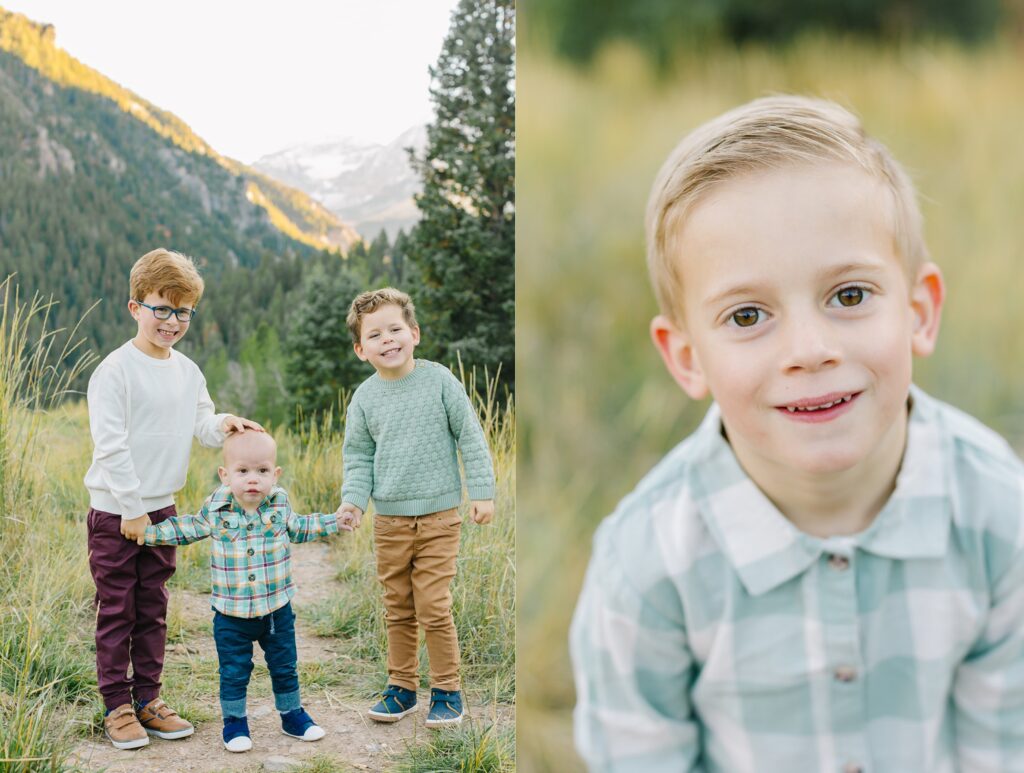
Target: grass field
column 596, row 409
column 48, row 696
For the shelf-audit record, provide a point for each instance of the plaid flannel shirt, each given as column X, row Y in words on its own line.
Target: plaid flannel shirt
column 250, row 559
column 713, row 635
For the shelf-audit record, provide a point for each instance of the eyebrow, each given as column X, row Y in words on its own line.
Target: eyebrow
column 828, row 273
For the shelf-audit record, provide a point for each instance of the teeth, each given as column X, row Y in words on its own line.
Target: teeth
column 814, row 408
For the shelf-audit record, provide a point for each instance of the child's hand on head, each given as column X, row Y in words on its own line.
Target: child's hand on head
column 238, row 424
column 483, row 510
column 135, row 528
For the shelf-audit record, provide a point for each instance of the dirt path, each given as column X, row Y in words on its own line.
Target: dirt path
column 351, row 736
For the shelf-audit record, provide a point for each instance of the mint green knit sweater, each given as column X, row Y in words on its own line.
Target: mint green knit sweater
column 400, row 444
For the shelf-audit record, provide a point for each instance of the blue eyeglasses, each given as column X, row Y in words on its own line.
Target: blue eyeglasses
column 164, row 312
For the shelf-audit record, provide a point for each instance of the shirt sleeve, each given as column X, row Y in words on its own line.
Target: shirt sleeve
column 305, row 528
column 633, row 671
column 107, row 396
column 988, row 686
column 181, row 529
column 358, row 450
column 465, row 427
column 208, row 422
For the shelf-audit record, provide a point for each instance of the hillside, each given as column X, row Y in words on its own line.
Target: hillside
column 93, row 175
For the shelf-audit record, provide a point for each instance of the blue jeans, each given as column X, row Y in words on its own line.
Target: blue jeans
column 234, row 637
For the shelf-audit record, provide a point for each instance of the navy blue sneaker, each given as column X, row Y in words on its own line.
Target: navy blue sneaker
column 445, row 708
column 236, row 734
column 298, row 724
column 395, row 702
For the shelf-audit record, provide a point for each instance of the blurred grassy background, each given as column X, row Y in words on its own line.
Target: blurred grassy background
column 596, row 409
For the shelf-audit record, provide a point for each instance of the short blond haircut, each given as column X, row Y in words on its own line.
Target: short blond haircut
column 370, row 301
column 768, row 133
column 166, row 273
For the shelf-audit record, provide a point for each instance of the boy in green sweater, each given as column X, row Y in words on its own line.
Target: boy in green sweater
column 403, row 429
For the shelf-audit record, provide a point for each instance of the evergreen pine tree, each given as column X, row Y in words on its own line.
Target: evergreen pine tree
column 320, row 361
column 464, row 244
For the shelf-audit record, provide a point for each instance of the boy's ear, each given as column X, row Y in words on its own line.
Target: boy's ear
column 676, row 349
column 133, row 308
column 223, row 473
column 415, row 335
column 926, row 297
column 277, row 474
column 359, row 352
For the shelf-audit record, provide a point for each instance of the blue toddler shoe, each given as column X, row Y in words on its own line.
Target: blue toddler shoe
column 394, row 703
column 236, row 734
column 298, row 724
column 445, row 708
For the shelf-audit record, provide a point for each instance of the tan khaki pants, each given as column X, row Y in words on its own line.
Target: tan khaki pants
column 416, row 564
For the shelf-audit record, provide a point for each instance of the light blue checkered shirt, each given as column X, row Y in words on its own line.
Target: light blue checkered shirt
column 713, row 635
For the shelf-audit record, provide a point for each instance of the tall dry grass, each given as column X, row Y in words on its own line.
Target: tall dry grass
column 596, row 407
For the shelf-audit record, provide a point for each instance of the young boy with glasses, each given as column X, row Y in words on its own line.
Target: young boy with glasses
column 146, row 402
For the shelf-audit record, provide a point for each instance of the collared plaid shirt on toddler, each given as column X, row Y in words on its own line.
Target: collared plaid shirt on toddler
column 713, row 635
column 250, row 559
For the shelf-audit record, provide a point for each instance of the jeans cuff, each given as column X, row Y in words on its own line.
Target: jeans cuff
column 233, row 708
column 287, row 701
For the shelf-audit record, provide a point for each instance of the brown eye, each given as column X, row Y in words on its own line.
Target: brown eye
column 850, row 296
column 746, row 317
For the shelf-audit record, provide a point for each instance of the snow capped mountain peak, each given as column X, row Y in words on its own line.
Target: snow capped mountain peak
column 367, row 183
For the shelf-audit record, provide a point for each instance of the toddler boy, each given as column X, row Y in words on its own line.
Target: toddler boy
column 827, row 575
column 403, row 428
column 146, row 402
column 252, row 523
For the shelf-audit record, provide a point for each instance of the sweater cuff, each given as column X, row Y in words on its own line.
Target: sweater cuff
column 356, row 499
column 131, row 507
column 480, row 492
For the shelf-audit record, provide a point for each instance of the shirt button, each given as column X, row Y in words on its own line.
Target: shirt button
column 838, row 563
column 252, row 578
column 249, row 527
column 250, row 551
column 845, row 674
column 273, row 519
column 224, row 524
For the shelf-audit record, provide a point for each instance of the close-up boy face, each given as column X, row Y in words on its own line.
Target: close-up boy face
column 250, row 467
column 387, row 342
column 156, row 337
column 799, row 316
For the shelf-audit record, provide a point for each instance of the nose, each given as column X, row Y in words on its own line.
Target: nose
column 811, row 344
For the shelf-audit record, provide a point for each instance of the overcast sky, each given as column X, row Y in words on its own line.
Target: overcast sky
column 251, row 77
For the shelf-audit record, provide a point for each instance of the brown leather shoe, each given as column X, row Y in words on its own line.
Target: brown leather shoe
column 123, row 729
column 161, row 720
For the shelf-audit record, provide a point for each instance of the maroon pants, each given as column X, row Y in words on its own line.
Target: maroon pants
column 131, row 608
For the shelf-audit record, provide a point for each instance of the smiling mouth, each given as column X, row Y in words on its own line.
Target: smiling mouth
column 819, row 403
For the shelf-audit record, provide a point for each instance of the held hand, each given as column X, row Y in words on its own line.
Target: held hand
column 135, row 528
column 344, row 520
column 238, row 424
column 483, row 510
column 352, row 514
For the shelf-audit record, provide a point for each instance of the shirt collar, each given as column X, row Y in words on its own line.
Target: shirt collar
column 766, row 549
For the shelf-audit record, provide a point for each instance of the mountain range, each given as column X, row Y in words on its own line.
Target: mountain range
column 367, row 184
column 93, row 175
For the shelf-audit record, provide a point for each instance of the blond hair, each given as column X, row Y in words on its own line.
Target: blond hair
column 166, row 273
column 370, row 301
column 767, row 133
